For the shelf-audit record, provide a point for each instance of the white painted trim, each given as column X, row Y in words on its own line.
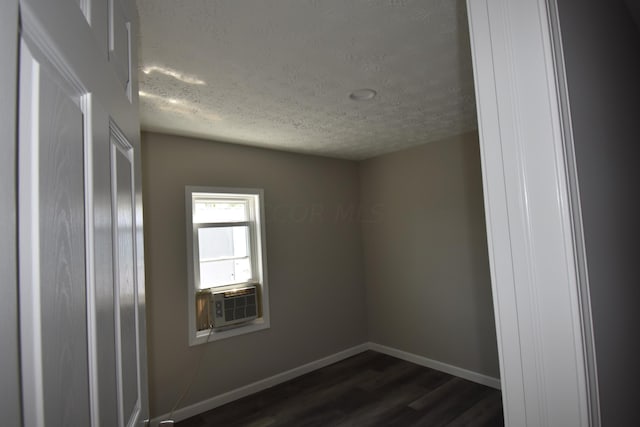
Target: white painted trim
column 438, row 366
column 240, row 392
column 86, row 104
column 588, row 337
column 529, row 214
column 29, row 238
column 113, row 149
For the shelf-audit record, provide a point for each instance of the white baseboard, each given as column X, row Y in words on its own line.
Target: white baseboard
column 238, row 393
column 438, row 366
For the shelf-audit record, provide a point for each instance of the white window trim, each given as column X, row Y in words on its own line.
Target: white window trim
column 259, row 264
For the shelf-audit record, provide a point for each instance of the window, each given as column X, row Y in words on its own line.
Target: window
column 226, row 263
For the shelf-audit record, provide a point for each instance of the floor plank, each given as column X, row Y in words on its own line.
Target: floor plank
column 367, row 390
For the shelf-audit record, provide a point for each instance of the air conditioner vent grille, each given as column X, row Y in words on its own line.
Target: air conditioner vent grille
column 239, row 307
column 234, row 306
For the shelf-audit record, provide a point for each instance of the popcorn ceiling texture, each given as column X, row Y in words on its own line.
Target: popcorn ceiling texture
column 278, row 73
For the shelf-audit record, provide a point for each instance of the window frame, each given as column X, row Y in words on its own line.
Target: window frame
column 257, row 255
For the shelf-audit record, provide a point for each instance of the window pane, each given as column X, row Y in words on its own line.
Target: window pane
column 223, row 242
column 224, row 272
column 219, row 211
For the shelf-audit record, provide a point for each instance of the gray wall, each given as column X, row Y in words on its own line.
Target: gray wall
column 426, row 262
column 9, row 363
column 602, row 54
column 314, row 264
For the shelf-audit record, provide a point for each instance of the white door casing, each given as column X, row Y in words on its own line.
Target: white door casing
column 540, row 317
column 82, row 318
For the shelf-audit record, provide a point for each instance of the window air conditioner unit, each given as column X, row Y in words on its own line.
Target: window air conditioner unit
column 233, row 306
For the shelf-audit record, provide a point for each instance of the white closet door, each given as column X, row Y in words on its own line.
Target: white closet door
column 82, row 326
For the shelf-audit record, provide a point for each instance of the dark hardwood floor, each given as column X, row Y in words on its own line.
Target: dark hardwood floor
column 369, row 389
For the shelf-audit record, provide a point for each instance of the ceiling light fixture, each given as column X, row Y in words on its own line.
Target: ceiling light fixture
column 363, row 94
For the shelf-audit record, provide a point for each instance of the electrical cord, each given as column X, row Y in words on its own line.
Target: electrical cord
column 193, row 378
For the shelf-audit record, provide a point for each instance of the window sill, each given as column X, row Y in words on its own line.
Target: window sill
column 203, row 337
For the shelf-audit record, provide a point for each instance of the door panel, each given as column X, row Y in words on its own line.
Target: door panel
column 126, row 281
column 97, row 15
column 103, row 268
column 53, row 277
column 63, row 280
column 120, row 42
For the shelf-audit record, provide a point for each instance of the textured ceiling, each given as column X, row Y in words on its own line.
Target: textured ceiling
column 278, row 73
